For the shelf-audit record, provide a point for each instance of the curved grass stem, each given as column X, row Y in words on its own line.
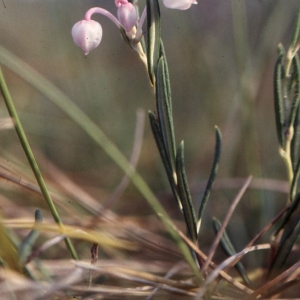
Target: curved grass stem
column 31, row 159
column 95, row 133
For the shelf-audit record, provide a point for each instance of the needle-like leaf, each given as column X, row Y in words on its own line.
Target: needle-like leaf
column 278, row 96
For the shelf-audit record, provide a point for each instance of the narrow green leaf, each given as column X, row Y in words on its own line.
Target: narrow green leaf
column 294, row 114
column 153, row 38
column 97, row 135
column 278, row 97
column 164, row 156
column 294, row 205
column 288, row 239
column 26, row 246
column 212, row 177
column 295, row 36
column 185, row 195
column 164, row 110
column 162, row 53
column 295, row 144
column 296, row 83
column 229, row 249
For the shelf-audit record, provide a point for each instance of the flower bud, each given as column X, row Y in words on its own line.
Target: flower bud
column 179, row 4
column 87, row 35
column 127, row 15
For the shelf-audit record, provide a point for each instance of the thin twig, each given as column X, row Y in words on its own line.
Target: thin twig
column 213, row 276
column 223, row 274
column 225, row 223
column 273, row 282
column 260, row 234
column 170, row 273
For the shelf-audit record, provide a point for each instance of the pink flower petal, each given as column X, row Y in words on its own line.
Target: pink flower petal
column 179, row 4
column 87, row 35
column 127, row 16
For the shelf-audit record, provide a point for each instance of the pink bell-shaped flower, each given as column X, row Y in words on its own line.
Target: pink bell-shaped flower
column 126, row 14
column 87, row 35
column 179, row 4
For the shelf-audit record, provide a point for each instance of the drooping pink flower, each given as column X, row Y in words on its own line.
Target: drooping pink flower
column 179, row 4
column 126, row 14
column 87, row 35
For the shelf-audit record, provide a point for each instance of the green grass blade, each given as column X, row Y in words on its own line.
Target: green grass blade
column 185, row 196
column 31, row 159
column 95, row 133
column 278, row 97
column 212, row 177
column 8, row 252
column 153, row 38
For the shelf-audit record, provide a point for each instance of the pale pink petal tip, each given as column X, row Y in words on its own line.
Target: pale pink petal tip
column 179, row 4
column 127, row 16
column 87, row 35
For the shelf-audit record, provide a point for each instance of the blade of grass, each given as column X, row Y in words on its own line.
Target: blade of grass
column 95, row 133
column 31, row 159
column 8, row 252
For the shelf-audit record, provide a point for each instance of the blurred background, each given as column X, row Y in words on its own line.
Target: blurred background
column 221, row 56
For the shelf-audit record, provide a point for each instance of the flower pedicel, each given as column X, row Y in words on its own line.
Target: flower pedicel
column 87, row 33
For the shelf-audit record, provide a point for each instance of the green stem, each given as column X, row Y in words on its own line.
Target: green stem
column 294, row 45
column 31, row 159
column 96, row 134
column 286, row 154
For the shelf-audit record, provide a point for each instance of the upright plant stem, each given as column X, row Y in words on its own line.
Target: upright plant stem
column 293, row 48
column 294, row 44
column 31, row 159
